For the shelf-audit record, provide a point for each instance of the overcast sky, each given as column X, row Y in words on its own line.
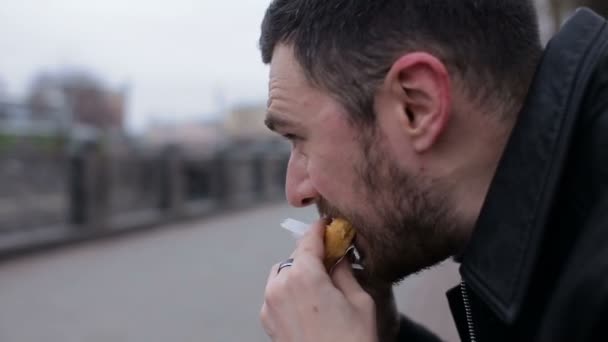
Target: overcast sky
column 178, row 56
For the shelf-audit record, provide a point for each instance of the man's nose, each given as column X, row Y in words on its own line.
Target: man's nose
column 299, row 188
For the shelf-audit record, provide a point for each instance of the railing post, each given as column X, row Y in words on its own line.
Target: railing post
column 172, row 182
column 89, row 187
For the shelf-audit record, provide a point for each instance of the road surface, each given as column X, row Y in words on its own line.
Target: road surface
column 195, row 281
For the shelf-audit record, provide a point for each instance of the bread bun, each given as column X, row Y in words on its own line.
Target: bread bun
column 338, row 237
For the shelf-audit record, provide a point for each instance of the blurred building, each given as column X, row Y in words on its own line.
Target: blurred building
column 197, row 135
column 97, row 107
column 246, row 122
column 92, row 104
column 20, row 118
column 241, row 124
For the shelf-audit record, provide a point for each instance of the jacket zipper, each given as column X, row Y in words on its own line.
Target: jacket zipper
column 468, row 312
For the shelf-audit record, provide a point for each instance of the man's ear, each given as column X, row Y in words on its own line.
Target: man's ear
column 423, row 87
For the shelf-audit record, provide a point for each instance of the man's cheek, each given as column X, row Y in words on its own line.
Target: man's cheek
column 324, row 184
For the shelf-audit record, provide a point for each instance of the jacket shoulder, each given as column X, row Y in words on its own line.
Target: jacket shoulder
column 578, row 310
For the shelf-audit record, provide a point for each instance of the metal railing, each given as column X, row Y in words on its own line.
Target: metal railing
column 90, row 187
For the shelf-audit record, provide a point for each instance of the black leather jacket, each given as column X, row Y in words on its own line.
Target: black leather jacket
column 536, row 268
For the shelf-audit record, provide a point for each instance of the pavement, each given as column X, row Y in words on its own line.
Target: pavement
column 195, row 281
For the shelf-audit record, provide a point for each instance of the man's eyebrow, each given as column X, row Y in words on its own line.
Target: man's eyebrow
column 274, row 122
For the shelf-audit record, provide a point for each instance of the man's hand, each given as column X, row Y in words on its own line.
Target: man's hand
column 304, row 303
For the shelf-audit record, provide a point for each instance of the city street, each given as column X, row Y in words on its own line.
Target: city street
column 195, row 281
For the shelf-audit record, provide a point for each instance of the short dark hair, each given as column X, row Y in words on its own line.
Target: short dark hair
column 348, row 46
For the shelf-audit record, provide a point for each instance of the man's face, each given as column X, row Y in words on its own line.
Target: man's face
column 402, row 218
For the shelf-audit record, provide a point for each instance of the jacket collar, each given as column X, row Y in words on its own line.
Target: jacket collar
column 499, row 260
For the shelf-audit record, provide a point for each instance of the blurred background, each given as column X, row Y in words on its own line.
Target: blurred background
column 146, row 117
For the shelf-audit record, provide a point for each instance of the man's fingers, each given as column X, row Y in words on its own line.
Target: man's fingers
column 343, row 278
column 311, row 244
column 345, row 282
column 273, row 273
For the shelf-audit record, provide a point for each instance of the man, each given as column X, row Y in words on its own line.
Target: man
column 439, row 129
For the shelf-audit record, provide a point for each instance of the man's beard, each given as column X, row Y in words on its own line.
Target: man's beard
column 407, row 226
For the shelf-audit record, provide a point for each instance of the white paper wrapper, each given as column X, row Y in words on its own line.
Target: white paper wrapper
column 298, row 229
